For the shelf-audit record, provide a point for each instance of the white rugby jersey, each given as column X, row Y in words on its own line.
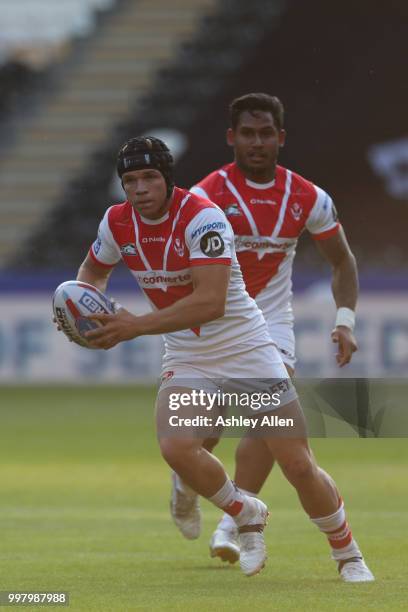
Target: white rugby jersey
column 160, row 254
column 267, row 219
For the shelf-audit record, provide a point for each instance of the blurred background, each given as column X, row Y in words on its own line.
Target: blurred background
column 79, row 77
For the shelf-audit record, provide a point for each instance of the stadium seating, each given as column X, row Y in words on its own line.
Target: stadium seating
column 124, row 81
column 91, row 90
column 43, row 22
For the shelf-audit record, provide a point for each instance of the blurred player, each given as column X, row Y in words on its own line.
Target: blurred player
column 269, row 207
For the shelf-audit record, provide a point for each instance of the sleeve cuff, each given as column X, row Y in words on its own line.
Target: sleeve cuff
column 224, row 261
column 99, row 263
column 328, row 233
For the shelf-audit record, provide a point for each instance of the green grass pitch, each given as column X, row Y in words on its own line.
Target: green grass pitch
column 84, row 508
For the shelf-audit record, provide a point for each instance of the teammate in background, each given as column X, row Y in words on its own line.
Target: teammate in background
column 269, row 207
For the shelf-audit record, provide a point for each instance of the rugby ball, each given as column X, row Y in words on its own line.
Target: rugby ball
column 73, row 301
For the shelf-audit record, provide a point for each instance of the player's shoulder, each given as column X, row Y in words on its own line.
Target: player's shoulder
column 119, row 213
column 194, row 203
column 299, row 184
column 199, row 212
column 214, row 180
column 311, row 194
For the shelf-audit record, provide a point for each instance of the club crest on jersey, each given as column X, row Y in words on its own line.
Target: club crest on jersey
column 128, row 249
column 232, row 210
column 179, row 247
column 296, row 211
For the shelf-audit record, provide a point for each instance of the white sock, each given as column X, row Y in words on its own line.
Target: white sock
column 339, row 535
column 227, row 521
column 230, row 499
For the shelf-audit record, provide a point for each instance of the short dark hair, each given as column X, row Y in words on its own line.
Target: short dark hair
column 256, row 102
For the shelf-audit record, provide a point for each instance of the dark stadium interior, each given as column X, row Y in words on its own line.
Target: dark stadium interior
column 338, row 70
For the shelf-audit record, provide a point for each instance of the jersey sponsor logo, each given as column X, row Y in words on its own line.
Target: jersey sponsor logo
column 212, row 245
column 153, row 239
column 296, row 211
column 179, row 247
column 161, row 279
column 232, row 210
column 128, row 249
column 216, row 225
column 259, row 243
column 97, row 245
column 259, row 201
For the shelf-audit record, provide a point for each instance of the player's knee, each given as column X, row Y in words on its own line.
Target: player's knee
column 250, row 450
column 176, row 452
column 299, row 469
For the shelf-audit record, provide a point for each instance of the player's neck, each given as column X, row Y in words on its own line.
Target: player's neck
column 161, row 214
column 258, row 176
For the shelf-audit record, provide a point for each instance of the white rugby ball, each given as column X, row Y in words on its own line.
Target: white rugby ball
column 73, row 301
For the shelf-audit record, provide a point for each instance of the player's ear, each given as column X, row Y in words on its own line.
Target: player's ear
column 282, row 138
column 230, row 137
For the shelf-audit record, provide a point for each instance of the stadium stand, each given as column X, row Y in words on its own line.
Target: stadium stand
column 92, row 89
column 335, row 84
column 176, row 97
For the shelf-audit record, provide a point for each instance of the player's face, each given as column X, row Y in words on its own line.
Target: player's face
column 146, row 190
column 256, row 141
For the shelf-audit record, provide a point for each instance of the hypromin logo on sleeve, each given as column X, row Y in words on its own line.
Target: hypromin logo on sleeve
column 216, row 225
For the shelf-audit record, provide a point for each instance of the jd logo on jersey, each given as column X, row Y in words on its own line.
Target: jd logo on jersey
column 212, row 245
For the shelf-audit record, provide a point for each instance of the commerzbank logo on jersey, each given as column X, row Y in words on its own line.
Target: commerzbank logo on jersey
column 162, row 279
column 259, row 244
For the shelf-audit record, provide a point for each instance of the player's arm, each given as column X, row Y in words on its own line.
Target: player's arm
column 205, row 303
column 93, row 273
column 336, row 251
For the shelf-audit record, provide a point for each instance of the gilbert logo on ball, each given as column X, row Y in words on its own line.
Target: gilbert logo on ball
column 72, row 303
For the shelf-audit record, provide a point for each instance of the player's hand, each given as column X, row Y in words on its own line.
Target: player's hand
column 54, row 320
column 347, row 344
column 115, row 328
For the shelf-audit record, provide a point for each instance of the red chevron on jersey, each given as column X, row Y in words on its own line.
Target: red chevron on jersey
column 267, row 220
column 160, row 255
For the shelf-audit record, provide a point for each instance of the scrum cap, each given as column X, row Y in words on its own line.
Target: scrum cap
column 146, row 152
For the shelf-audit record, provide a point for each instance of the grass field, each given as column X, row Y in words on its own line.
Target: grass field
column 84, row 508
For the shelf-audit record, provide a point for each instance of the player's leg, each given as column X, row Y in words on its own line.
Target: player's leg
column 253, row 464
column 319, row 496
column 185, row 502
column 205, row 475
column 253, row 459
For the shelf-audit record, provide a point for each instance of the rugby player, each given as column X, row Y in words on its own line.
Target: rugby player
column 190, row 275
column 269, row 207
